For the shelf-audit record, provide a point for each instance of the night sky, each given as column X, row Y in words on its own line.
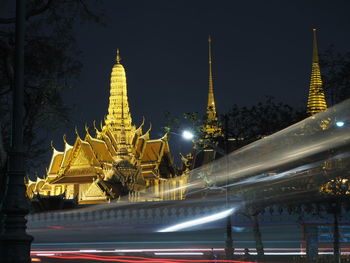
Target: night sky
column 259, row 48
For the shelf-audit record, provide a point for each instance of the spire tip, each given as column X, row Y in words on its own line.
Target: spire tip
column 118, row 56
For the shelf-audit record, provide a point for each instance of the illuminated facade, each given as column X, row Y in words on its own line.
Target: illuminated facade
column 316, row 100
column 119, row 160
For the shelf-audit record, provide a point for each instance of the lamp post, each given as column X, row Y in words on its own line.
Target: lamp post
column 14, row 241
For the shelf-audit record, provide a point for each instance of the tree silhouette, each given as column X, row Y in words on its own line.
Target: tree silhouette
column 51, row 62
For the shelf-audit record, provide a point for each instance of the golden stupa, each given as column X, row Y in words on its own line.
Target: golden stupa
column 316, row 100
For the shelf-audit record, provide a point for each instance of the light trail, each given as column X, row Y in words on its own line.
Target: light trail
column 238, row 251
column 179, row 253
column 199, row 221
column 129, row 259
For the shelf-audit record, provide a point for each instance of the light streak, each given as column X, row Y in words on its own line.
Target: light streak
column 90, row 250
column 199, row 221
column 179, row 253
column 126, row 259
column 165, row 249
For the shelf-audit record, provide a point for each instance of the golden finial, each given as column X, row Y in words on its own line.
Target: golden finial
column 118, row 56
column 52, row 147
column 315, row 48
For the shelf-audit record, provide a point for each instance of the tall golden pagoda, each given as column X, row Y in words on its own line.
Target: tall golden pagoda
column 211, row 127
column 120, row 160
column 316, row 101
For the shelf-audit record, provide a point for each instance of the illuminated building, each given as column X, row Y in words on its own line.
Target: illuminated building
column 316, row 100
column 118, row 160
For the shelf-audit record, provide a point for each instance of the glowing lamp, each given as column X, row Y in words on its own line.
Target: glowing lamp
column 187, row 135
column 340, row 123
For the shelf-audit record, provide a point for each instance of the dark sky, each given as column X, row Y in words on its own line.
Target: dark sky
column 259, row 48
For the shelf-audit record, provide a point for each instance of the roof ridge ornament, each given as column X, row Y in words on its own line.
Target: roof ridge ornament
column 65, row 138
column 94, row 124
column 76, row 132
column 87, row 130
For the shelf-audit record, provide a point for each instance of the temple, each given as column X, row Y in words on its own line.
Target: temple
column 119, row 160
column 316, row 100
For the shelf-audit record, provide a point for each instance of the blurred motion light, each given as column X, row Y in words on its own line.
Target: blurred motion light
column 198, row 221
column 187, row 135
column 340, row 123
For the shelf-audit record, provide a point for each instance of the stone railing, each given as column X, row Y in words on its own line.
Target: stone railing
column 122, row 215
column 159, row 213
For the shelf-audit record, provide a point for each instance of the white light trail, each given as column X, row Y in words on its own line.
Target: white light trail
column 199, row 221
column 90, row 250
column 188, row 251
column 179, row 254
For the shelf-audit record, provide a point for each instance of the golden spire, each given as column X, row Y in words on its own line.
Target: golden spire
column 118, row 57
column 118, row 110
column 211, row 126
column 211, row 109
column 316, row 101
column 122, row 150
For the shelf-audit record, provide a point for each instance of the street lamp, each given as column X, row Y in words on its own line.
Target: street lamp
column 340, row 124
column 188, row 135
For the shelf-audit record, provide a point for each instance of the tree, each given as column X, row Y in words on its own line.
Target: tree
column 51, row 62
column 335, row 68
column 248, row 124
